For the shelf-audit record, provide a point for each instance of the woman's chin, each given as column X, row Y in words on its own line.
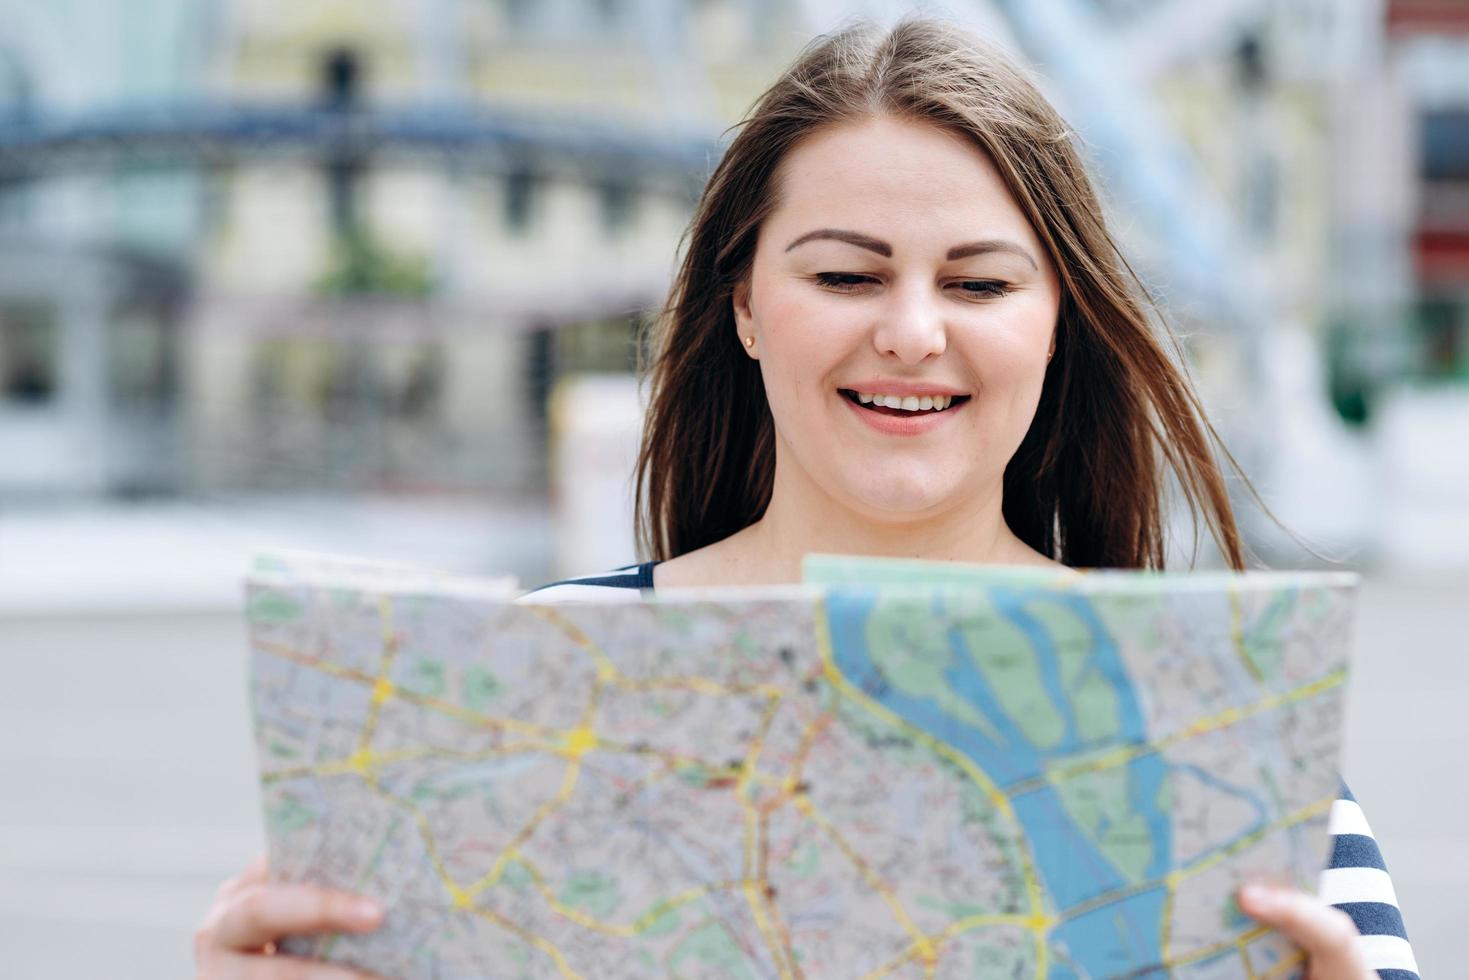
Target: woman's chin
column 901, row 500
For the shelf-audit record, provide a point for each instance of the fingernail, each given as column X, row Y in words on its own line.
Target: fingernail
column 366, row 911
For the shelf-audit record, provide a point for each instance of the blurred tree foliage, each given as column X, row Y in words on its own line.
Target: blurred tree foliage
column 359, row 265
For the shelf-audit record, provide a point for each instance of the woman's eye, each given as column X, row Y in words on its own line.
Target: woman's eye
column 842, row 282
column 983, row 287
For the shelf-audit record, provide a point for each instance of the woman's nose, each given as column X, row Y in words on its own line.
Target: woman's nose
column 911, row 325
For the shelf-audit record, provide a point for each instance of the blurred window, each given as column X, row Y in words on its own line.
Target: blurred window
column 28, row 354
column 341, row 83
column 341, row 77
column 617, row 201
column 1445, row 146
column 520, row 186
column 607, row 346
column 16, row 104
column 16, row 203
column 140, row 361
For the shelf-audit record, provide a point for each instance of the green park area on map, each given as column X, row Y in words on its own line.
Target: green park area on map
column 896, row 769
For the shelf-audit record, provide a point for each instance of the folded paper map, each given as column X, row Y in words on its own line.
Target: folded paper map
column 897, row 769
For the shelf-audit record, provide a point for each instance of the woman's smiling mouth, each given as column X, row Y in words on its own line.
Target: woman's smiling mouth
column 902, row 406
column 904, row 414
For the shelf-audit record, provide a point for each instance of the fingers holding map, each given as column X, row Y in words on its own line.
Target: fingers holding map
column 897, row 769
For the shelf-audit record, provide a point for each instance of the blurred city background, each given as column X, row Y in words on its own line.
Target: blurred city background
column 369, row 276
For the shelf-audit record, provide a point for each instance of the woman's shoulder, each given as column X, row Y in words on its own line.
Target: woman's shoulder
column 628, row 582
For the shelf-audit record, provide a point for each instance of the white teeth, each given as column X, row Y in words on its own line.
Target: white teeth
column 912, row 403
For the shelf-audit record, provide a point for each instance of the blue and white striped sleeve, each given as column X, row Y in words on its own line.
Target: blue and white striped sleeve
column 1356, row 881
column 626, row 584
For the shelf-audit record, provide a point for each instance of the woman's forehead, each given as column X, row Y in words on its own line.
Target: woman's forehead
column 894, row 179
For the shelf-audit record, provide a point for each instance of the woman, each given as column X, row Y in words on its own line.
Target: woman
column 901, row 328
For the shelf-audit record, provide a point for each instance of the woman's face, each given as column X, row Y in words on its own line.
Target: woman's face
column 897, row 265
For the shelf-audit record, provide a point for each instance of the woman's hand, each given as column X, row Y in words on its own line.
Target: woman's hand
column 237, row 938
column 1327, row 935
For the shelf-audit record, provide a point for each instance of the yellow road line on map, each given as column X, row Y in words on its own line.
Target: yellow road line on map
column 1165, row 920
column 699, row 685
column 908, row 955
column 954, row 929
column 1237, row 636
column 1000, row 801
column 1307, row 812
column 382, row 685
column 639, row 925
column 972, row 922
column 573, row 745
column 360, row 762
column 475, row 718
column 447, row 708
column 1238, row 942
column 754, row 893
column 1204, row 726
column 563, row 966
column 425, row 833
column 497, row 869
column 756, row 880
column 1173, row 878
column 607, row 673
column 806, row 808
column 1243, row 951
column 782, row 945
column 787, row 790
column 606, row 670
column 1298, row 958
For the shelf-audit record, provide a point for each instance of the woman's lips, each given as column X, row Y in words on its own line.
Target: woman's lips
column 897, row 423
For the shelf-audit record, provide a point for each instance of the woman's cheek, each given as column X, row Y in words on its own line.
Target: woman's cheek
column 800, row 353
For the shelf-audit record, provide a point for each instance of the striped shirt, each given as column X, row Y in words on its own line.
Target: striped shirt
column 1356, row 881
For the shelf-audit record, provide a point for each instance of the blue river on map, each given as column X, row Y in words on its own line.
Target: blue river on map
column 1119, row 935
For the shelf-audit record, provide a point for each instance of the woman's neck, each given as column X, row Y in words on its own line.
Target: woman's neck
column 973, row 533
column 802, row 520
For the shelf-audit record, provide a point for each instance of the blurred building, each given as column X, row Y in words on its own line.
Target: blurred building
column 353, row 244
column 91, row 287
column 1430, row 43
column 374, row 231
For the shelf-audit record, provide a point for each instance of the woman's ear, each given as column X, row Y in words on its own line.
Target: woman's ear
column 743, row 317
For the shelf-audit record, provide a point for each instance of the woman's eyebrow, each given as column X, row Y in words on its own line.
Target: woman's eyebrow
column 886, row 251
column 991, row 245
column 850, row 237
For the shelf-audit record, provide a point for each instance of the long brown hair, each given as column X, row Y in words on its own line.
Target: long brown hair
column 1117, row 411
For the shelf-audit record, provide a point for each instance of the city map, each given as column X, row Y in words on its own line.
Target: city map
column 896, row 769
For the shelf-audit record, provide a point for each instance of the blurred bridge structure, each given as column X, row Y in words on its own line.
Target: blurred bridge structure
column 223, row 134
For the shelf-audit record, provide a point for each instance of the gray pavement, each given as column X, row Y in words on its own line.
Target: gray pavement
column 128, row 776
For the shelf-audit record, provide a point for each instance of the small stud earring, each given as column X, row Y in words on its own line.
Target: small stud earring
column 749, row 342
